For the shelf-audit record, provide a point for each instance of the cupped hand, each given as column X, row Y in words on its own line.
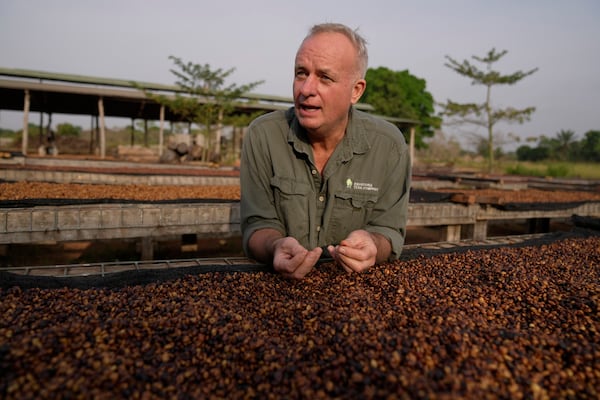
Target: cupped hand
column 293, row 260
column 356, row 253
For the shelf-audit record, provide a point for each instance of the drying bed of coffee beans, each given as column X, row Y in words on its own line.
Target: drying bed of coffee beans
column 513, row 323
column 19, row 191
column 46, row 190
column 528, row 195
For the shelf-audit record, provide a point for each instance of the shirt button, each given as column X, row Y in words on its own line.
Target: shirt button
column 321, row 198
column 314, row 172
column 318, row 229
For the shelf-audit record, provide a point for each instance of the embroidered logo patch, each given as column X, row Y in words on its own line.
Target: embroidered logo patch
column 360, row 186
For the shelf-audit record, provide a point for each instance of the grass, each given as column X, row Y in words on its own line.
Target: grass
column 554, row 169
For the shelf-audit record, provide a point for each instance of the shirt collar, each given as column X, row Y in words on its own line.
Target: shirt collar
column 355, row 140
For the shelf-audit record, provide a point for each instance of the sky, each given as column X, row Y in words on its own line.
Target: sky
column 133, row 39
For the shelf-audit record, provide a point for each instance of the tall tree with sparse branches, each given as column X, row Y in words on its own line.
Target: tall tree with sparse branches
column 483, row 114
column 206, row 99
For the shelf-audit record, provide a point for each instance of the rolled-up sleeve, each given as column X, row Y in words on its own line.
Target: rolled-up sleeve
column 390, row 213
column 257, row 209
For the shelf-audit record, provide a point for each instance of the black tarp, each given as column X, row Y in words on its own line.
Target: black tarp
column 145, row 276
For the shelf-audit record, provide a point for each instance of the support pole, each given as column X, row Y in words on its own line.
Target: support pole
column 452, row 233
column 412, row 145
column 92, row 134
column 41, row 130
column 25, row 138
column 145, row 133
column 102, row 130
column 97, row 140
column 50, row 138
column 132, row 132
column 161, row 130
column 146, row 249
column 218, row 135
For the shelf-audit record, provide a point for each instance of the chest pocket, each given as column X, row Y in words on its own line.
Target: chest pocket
column 292, row 205
column 351, row 211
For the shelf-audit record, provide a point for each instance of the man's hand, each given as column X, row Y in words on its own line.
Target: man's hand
column 286, row 254
column 360, row 251
column 292, row 260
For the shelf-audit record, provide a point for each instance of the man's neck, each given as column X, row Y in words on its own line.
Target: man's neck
column 323, row 147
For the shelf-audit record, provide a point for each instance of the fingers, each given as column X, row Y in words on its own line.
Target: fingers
column 356, row 253
column 292, row 260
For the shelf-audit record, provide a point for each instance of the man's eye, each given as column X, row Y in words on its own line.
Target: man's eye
column 300, row 74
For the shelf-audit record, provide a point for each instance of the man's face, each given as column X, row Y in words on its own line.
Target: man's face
column 326, row 82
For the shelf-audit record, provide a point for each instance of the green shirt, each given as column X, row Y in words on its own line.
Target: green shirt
column 365, row 184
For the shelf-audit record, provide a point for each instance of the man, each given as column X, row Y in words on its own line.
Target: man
column 323, row 175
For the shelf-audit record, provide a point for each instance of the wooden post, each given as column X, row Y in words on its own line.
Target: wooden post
column 97, row 137
column 50, row 138
column 92, row 134
column 102, row 130
column 161, row 130
column 237, row 133
column 132, row 132
column 41, row 130
column 147, row 249
column 25, row 138
column 145, row 133
column 412, row 145
column 218, row 134
column 480, row 230
column 451, row 233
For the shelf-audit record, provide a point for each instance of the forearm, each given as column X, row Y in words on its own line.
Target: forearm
column 261, row 244
column 384, row 248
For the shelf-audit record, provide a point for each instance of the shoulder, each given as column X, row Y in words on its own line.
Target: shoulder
column 270, row 121
column 378, row 129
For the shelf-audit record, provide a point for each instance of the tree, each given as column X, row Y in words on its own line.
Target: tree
column 527, row 153
column 559, row 147
column 402, row 95
column 206, row 100
column 590, row 146
column 483, row 114
column 564, row 141
column 67, row 129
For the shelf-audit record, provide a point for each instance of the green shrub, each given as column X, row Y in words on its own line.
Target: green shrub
column 519, row 169
column 558, row 170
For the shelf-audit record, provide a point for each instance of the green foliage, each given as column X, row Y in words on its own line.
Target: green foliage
column 563, row 147
column 482, row 114
column 558, row 170
column 33, row 129
column 590, row 146
column 527, row 153
column 8, row 138
column 242, row 120
column 201, row 82
column 7, row 132
column 402, row 95
column 520, row 169
column 540, row 170
column 205, row 100
column 67, row 129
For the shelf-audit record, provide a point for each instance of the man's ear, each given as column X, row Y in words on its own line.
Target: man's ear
column 358, row 89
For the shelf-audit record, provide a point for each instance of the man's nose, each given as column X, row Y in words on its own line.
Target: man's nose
column 308, row 86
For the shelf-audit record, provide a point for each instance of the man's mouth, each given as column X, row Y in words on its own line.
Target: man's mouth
column 308, row 107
